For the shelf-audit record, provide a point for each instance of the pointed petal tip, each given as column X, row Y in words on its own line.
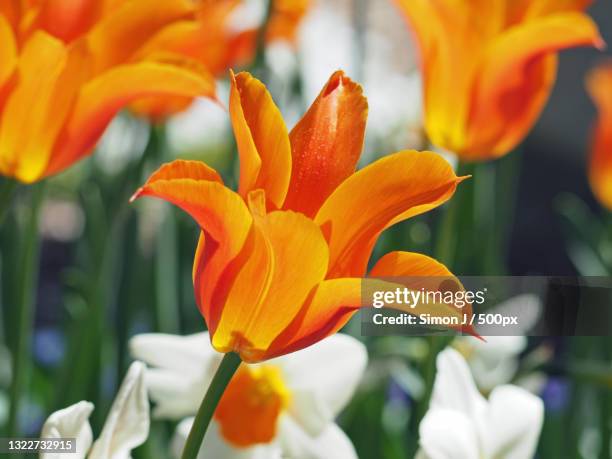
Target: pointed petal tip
column 136, row 195
column 242, row 74
column 340, row 79
column 232, row 77
column 463, row 178
column 472, row 332
column 476, row 335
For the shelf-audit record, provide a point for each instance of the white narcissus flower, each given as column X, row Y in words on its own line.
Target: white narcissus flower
column 494, row 361
column 284, row 407
column 126, row 426
column 462, row 424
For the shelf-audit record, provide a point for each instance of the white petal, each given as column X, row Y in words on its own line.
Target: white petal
column 174, row 352
column 175, row 397
column 496, row 347
column 184, row 367
column 214, row 446
column 71, row 422
column 298, row 444
column 127, row 424
column 494, row 361
column 514, row 422
column 454, row 387
column 488, row 376
column 448, row 434
column 322, row 379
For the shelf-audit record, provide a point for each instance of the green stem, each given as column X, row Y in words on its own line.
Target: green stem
column 260, row 51
column 28, row 275
column 445, row 249
column 487, row 240
column 446, row 242
column 605, row 416
column 167, row 291
column 227, row 368
column 7, row 187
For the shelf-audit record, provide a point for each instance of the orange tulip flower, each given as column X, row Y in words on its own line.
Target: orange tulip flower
column 279, row 263
column 599, row 85
column 489, row 66
column 66, row 68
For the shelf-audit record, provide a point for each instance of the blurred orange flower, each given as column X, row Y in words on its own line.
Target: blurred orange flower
column 206, row 37
column 68, row 67
column 489, row 66
column 599, row 85
column 285, row 19
column 210, row 40
column 279, row 263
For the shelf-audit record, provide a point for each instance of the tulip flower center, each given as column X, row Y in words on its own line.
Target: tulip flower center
column 249, row 409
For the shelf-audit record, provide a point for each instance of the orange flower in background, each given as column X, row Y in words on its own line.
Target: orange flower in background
column 599, row 85
column 285, row 19
column 68, row 67
column 208, row 39
column 279, row 263
column 489, row 66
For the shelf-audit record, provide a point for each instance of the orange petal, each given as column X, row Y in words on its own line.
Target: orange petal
column 407, row 264
column 261, row 135
column 207, row 37
column 267, row 293
column 326, row 144
column 420, row 272
column 35, row 109
column 335, row 301
column 68, row 20
column 126, row 26
column 11, row 10
column 101, row 98
column 183, row 169
column 390, row 190
column 599, row 84
column 285, row 19
column 516, row 77
column 448, row 39
column 221, row 213
column 328, row 309
column 8, row 53
column 526, row 9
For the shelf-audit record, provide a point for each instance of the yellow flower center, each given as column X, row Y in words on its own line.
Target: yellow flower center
column 249, row 409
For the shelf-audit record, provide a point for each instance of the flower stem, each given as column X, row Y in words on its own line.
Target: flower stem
column 261, row 35
column 445, row 248
column 28, row 274
column 7, row 187
column 223, row 376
